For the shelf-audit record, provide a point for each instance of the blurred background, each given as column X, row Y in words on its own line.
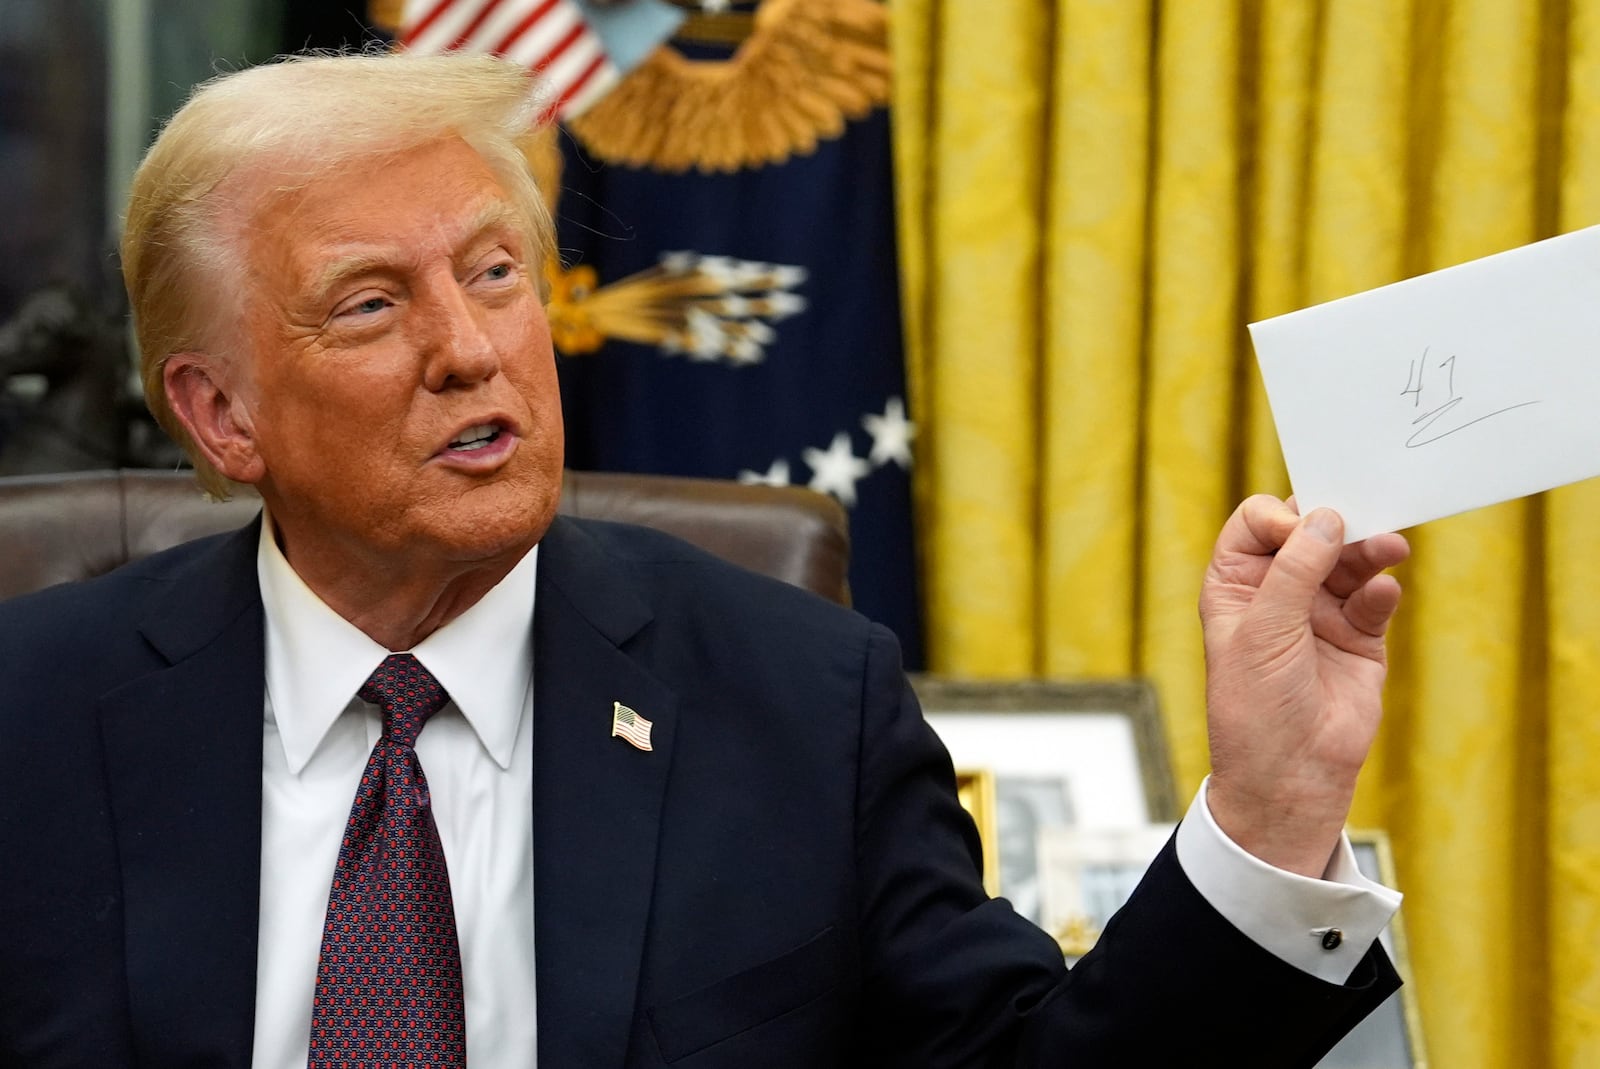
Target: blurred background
column 981, row 271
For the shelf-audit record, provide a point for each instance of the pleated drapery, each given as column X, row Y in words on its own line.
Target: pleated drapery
column 1096, row 197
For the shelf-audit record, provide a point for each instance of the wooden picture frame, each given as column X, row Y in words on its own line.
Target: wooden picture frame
column 975, row 789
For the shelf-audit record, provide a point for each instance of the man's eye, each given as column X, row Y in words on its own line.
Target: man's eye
column 497, row 272
column 368, row 306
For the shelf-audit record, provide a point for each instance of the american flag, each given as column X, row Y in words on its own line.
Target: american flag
column 631, row 726
column 550, row 37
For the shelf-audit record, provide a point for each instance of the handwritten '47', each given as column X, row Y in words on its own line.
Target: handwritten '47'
column 1425, row 432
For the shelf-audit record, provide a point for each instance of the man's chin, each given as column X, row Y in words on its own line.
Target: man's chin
column 488, row 534
column 489, row 523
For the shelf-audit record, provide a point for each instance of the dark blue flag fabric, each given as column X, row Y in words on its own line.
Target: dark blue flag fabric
column 727, row 304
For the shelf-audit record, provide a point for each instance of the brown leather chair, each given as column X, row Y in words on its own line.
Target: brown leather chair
column 58, row 528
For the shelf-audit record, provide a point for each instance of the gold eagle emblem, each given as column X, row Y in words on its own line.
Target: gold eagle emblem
column 807, row 67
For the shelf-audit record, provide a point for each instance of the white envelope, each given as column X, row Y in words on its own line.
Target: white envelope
column 1446, row 392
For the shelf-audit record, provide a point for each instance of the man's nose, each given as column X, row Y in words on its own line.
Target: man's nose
column 459, row 350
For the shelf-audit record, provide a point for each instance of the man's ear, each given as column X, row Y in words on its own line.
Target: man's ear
column 206, row 400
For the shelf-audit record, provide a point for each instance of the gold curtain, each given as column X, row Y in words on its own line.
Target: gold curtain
column 1096, row 196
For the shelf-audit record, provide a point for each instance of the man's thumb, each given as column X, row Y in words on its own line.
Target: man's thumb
column 1299, row 569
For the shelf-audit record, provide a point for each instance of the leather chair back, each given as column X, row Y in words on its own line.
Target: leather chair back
column 59, row 528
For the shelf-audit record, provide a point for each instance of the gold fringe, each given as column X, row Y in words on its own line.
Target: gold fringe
column 720, row 28
column 703, row 307
column 810, row 66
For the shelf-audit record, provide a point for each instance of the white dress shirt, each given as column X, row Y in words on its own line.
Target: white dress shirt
column 1286, row 913
column 477, row 754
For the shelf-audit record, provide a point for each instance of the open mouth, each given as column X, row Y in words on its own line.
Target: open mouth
column 474, row 438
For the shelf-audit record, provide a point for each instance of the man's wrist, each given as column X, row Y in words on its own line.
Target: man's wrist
column 1296, row 834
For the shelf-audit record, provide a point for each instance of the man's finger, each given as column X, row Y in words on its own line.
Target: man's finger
column 1360, row 561
column 1370, row 608
column 1258, row 527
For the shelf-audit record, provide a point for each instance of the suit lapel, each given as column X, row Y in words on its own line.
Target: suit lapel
column 183, row 759
column 597, row 800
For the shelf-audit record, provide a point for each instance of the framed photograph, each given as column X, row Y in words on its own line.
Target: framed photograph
column 1088, row 873
column 1045, row 756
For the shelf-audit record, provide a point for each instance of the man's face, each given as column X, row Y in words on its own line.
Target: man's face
column 401, row 386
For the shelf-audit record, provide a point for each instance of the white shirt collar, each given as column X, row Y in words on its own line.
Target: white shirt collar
column 316, row 660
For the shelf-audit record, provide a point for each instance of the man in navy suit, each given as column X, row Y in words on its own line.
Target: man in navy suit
column 656, row 811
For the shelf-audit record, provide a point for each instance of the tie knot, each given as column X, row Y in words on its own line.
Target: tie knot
column 407, row 693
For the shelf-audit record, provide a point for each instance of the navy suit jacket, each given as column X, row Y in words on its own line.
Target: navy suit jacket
column 786, row 880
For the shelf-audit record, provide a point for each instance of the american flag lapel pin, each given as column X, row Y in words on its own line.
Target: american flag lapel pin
column 629, row 725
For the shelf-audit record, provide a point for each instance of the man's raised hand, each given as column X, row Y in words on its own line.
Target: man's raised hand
column 1294, row 626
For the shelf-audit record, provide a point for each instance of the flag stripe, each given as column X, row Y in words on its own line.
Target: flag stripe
column 522, row 27
column 604, row 79
column 563, row 102
column 435, row 30
column 638, row 738
column 484, row 11
column 531, row 47
column 550, row 37
column 420, row 27
column 573, row 34
column 495, row 27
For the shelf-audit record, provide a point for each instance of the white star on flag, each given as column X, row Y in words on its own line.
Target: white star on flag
column 891, row 434
column 836, row 469
column 776, row 475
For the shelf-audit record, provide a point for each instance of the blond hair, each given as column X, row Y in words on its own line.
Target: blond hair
column 295, row 119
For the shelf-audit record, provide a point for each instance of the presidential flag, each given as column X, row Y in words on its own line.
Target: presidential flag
column 726, row 304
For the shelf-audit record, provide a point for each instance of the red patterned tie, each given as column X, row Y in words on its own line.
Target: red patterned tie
column 389, row 981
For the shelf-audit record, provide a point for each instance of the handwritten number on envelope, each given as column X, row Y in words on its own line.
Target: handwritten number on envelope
column 1425, row 433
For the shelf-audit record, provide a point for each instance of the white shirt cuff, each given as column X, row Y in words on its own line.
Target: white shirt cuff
column 1287, row 914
